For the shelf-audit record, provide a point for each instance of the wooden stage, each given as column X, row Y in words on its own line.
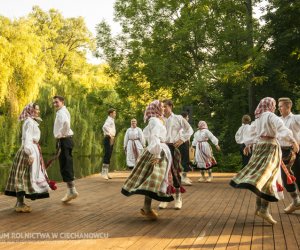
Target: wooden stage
column 214, row 216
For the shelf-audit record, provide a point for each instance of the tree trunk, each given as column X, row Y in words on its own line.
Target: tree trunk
column 250, row 46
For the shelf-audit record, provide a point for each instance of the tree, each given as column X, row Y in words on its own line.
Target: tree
column 202, row 52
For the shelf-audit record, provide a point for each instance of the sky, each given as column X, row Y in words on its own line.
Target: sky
column 93, row 11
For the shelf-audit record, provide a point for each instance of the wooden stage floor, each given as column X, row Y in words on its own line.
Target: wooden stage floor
column 214, row 216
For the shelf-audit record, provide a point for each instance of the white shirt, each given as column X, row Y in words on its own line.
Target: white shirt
column 109, row 127
column 177, row 128
column 268, row 124
column 204, row 135
column 239, row 136
column 155, row 133
column 62, row 124
column 134, row 134
column 293, row 123
column 30, row 134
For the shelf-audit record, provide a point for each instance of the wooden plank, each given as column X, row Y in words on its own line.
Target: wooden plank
column 214, row 216
column 257, row 234
column 202, row 238
column 211, row 201
column 173, row 222
column 246, row 239
column 225, row 235
column 288, row 232
column 219, row 219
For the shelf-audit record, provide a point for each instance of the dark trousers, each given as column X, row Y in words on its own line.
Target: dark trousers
column 175, row 168
column 245, row 158
column 296, row 172
column 185, row 155
column 108, row 149
column 66, row 159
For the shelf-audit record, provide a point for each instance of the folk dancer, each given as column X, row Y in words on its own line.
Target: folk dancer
column 204, row 156
column 185, row 156
column 134, row 144
column 109, row 130
column 290, row 158
column 152, row 176
column 178, row 132
column 246, row 120
column 63, row 134
column 28, row 177
column 262, row 174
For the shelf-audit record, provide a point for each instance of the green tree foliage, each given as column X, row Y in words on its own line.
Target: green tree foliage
column 211, row 55
column 42, row 55
column 283, row 56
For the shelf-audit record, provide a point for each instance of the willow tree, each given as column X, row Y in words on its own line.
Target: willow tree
column 44, row 54
column 22, row 63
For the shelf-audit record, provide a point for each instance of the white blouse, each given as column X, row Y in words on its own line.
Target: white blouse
column 270, row 125
column 239, row 136
column 155, row 133
column 134, row 134
column 30, row 135
column 293, row 123
column 204, row 135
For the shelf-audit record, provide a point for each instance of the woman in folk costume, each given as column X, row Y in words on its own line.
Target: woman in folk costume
column 204, row 156
column 152, row 175
column 133, row 143
column 28, row 177
column 262, row 174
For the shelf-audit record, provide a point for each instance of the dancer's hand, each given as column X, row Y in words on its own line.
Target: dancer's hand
column 218, row 147
column 155, row 161
column 30, row 160
column 247, row 150
column 295, row 147
column 178, row 143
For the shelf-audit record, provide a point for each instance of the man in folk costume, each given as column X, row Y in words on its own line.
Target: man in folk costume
column 185, row 156
column 262, row 174
column 239, row 138
column 28, row 177
column 134, row 143
column 178, row 132
column 109, row 130
column 63, row 133
column 290, row 158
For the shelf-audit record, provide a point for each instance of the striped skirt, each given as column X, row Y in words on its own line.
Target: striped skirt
column 262, row 174
column 148, row 179
column 20, row 180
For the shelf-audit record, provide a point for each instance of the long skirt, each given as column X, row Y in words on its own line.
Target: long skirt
column 134, row 149
column 27, row 180
column 148, row 179
column 204, row 156
column 262, row 174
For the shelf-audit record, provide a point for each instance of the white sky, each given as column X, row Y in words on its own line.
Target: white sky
column 93, row 11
